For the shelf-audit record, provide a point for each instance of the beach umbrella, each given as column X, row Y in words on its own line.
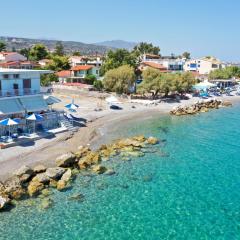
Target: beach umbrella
column 72, row 106
column 35, row 117
column 8, row 122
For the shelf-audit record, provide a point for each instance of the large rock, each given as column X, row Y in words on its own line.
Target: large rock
column 4, row 202
column 82, row 152
column 139, row 138
column 67, row 175
column 99, row 169
column 39, row 168
column 66, row 160
column 13, row 187
column 34, row 188
column 91, row 158
column 55, row 172
column 42, row 178
column 24, row 173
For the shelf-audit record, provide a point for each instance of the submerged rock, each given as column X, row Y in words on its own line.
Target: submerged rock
column 99, row 169
column 46, row 203
column 77, row 197
column 110, row 172
column 62, row 185
column 152, row 140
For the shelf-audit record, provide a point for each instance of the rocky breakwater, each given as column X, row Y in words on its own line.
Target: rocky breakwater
column 200, row 107
column 32, row 182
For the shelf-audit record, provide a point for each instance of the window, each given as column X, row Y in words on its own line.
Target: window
column 27, row 83
column 214, row 66
column 199, row 65
column 15, row 75
column 97, row 71
column 5, row 76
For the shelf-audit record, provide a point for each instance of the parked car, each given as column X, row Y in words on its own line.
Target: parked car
column 115, row 107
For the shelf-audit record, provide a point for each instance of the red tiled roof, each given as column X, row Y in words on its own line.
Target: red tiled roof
column 7, row 53
column 155, row 65
column 64, row 73
column 81, row 68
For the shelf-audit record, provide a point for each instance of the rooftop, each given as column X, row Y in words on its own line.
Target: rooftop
column 82, row 67
column 7, row 70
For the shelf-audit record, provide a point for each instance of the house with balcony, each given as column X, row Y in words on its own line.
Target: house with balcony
column 78, row 74
column 85, row 60
column 203, row 65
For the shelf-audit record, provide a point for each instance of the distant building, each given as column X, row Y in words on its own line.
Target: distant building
column 44, row 62
column 203, row 65
column 11, row 57
column 63, row 76
column 85, row 60
column 145, row 65
column 78, row 74
column 19, row 65
column 171, row 64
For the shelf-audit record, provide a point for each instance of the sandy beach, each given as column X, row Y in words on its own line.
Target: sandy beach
column 46, row 150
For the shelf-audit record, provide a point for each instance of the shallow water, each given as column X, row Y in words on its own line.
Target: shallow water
column 187, row 188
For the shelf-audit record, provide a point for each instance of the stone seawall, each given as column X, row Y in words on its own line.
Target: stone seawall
column 200, row 107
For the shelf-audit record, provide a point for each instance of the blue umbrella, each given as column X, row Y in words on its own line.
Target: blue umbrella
column 35, row 117
column 72, row 106
column 8, row 122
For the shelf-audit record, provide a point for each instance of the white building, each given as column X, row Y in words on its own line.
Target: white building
column 171, row 64
column 85, row 60
column 203, row 65
column 11, row 57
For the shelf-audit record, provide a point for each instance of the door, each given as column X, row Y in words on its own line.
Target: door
column 27, row 86
column 15, row 88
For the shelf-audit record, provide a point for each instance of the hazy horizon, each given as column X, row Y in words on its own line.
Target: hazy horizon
column 201, row 28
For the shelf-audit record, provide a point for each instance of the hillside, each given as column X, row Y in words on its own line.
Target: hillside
column 69, row 46
column 118, row 44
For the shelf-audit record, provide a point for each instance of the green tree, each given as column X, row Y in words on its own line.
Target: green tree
column 115, row 59
column 98, row 85
column 47, row 79
column 119, row 80
column 25, row 52
column 90, row 78
column 76, row 53
column 186, row 55
column 144, row 47
column 2, row 46
column 163, row 83
column 58, row 63
column 225, row 73
column 38, row 52
column 59, row 49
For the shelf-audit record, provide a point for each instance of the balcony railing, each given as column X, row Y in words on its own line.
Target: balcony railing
column 18, row 92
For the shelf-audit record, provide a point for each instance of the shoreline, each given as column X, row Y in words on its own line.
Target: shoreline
column 45, row 151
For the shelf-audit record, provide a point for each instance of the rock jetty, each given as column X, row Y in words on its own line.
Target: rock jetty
column 200, row 107
column 37, row 181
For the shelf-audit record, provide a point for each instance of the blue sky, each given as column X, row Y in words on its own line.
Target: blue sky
column 202, row 27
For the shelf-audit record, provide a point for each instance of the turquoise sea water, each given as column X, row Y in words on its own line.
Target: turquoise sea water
column 188, row 188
